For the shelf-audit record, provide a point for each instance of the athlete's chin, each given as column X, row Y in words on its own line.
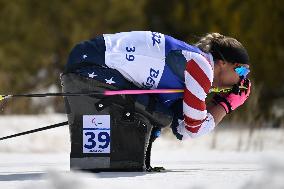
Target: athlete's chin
column 224, row 86
column 227, row 85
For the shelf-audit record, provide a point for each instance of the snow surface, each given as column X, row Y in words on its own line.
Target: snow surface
column 224, row 159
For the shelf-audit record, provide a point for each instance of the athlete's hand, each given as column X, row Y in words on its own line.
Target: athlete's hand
column 234, row 99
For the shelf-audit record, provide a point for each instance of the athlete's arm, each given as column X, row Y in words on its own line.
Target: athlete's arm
column 218, row 113
column 198, row 80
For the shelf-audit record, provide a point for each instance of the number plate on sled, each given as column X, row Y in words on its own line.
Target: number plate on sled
column 96, row 134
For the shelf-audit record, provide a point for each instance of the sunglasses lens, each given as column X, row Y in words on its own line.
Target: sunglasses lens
column 242, row 71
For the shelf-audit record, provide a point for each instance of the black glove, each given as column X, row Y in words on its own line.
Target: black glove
column 177, row 109
column 174, row 126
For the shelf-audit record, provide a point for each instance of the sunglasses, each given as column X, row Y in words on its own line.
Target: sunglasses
column 242, row 71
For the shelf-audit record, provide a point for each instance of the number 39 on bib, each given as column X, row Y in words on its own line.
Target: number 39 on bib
column 96, row 134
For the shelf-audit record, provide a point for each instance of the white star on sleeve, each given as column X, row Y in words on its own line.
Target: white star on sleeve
column 110, row 81
column 92, row 75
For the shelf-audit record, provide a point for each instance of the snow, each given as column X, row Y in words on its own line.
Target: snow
column 227, row 158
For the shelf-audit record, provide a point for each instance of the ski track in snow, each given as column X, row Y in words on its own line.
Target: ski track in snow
column 42, row 161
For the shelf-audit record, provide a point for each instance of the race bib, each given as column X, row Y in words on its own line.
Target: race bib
column 96, row 134
column 139, row 56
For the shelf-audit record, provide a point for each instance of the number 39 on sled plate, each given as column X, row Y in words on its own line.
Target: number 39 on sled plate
column 96, row 134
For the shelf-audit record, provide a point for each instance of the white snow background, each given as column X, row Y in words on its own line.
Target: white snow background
column 226, row 158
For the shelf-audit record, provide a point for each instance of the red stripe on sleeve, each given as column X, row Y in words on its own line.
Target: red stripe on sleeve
column 192, row 101
column 192, row 125
column 198, row 74
column 193, row 129
column 192, row 122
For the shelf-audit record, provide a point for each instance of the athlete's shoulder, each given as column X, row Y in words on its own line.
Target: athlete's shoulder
column 204, row 61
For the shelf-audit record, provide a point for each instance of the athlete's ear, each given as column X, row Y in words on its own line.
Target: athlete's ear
column 220, row 62
column 223, row 62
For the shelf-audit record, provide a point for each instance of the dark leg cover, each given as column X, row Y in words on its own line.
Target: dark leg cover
column 121, row 147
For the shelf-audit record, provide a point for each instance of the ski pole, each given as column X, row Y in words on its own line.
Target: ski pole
column 35, row 130
column 111, row 92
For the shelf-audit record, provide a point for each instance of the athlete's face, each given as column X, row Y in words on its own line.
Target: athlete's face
column 225, row 74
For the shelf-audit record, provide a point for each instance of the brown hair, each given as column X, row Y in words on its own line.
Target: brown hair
column 223, row 47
